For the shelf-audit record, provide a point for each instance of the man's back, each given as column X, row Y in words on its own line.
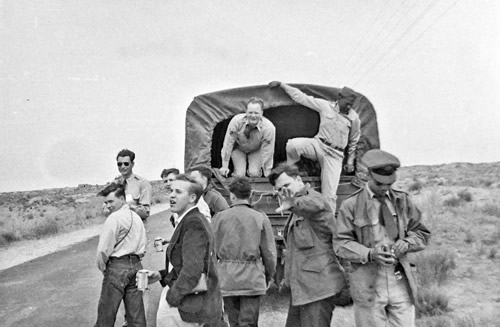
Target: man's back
column 244, row 242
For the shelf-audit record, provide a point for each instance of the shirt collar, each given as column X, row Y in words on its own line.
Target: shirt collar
column 132, row 176
column 179, row 218
column 372, row 195
column 259, row 124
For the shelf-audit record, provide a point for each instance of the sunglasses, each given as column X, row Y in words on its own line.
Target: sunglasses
column 126, row 164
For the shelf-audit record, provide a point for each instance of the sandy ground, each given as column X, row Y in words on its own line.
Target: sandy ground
column 24, row 251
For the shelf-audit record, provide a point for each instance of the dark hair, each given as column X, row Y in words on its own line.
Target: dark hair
column 256, row 100
column 204, row 171
column 194, row 188
column 166, row 172
column 241, row 188
column 118, row 189
column 126, row 153
column 289, row 169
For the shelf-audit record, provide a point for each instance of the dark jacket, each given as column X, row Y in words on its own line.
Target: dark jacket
column 215, row 201
column 311, row 268
column 191, row 252
column 245, row 249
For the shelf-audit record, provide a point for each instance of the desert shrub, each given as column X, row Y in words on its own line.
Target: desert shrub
column 453, row 202
column 481, row 250
column 8, row 237
column 431, row 301
column 491, row 209
column 469, row 237
column 445, row 321
column 465, row 195
column 492, row 253
column 435, row 266
column 486, row 182
column 45, row 227
column 416, row 186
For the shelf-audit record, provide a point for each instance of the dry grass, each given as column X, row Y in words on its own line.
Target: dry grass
column 37, row 214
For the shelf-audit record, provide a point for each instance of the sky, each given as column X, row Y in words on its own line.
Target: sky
column 80, row 80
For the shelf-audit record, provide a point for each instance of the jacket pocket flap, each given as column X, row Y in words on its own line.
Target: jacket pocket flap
column 317, row 262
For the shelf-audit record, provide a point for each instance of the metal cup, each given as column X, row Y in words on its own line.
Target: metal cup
column 158, row 244
column 142, row 280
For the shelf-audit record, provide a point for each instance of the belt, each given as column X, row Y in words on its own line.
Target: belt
column 126, row 257
column 325, row 142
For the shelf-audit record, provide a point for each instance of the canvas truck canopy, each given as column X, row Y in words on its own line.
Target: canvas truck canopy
column 209, row 114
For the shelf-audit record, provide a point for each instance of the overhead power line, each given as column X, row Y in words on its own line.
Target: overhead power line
column 421, row 33
column 395, row 43
column 381, row 44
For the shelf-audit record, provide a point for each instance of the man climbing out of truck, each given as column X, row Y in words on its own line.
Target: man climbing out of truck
column 250, row 137
column 339, row 128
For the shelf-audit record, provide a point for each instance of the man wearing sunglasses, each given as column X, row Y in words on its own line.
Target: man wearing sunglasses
column 137, row 189
column 376, row 227
column 339, row 129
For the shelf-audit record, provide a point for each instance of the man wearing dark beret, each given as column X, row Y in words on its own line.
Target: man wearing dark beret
column 376, row 227
column 339, row 128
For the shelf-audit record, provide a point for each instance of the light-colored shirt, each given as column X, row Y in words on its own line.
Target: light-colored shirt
column 262, row 137
column 178, row 219
column 380, row 236
column 204, row 208
column 340, row 130
column 140, row 190
column 123, row 226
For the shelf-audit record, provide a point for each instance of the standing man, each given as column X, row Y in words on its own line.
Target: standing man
column 122, row 244
column 137, row 189
column 376, row 227
column 249, row 137
column 190, row 253
column 168, row 176
column 246, row 253
column 339, row 128
column 312, row 270
column 215, row 201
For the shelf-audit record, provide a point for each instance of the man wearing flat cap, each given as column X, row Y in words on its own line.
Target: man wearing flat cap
column 339, row 128
column 376, row 227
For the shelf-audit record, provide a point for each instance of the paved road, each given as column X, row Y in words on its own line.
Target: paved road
column 62, row 288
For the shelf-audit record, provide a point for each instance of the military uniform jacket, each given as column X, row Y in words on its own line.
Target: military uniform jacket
column 354, row 238
column 311, row 268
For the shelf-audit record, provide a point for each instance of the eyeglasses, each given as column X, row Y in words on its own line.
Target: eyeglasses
column 126, row 164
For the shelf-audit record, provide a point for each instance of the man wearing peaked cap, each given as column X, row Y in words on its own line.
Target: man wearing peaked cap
column 382, row 165
column 338, row 135
column 376, row 228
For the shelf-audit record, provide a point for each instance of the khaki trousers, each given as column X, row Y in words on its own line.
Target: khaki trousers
column 391, row 305
column 329, row 159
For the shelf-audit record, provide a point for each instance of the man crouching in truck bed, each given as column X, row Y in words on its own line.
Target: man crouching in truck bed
column 249, row 137
column 312, row 270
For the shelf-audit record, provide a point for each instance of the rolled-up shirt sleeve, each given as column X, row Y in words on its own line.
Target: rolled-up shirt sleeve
column 354, row 135
column 229, row 140
column 267, row 148
column 144, row 203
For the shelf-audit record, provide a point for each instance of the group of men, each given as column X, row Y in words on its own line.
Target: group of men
column 250, row 139
column 231, row 250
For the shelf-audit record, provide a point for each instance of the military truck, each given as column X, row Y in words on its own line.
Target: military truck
column 207, row 119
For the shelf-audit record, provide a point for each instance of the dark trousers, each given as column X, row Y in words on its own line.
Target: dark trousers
column 242, row 311
column 119, row 284
column 314, row 314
